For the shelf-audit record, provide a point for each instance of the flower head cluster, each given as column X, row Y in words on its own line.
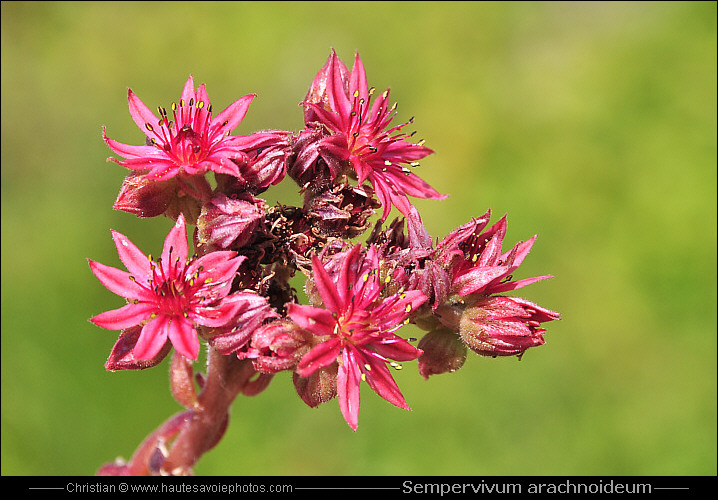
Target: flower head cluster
column 236, row 292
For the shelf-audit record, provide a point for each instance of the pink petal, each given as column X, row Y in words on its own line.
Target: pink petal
column 176, row 248
column 219, row 265
column 129, row 151
column 396, row 348
column 232, row 115
column 188, row 91
column 183, row 337
column 146, row 163
column 201, row 110
column 394, row 310
column 344, row 283
column 358, row 79
column 136, row 262
column 221, row 165
column 327, row 117
column 152, row 338
column 362, row 168
column 142, row 115
column 515, row 285
column 477, row 278
column 383, row 192
column 519, row 252
column 413, row 185
column 119, row 282
column 326, row 287
column 321, row 355
column 124, row 317
column 380, row 380
column 335, row 89
column 491, row 252
column 122, row 356
column 318, row 321
column 419, row 237
column 404, row 152
column 348, row 392
column 161, row 170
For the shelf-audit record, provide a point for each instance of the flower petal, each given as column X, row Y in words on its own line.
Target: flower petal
column 515, row 285
column 358, row 82
column 326, row 287
column 126, row 316
column 129, row 151
column 142, row 115
column 321, row 356
column 336, row 92
column 136, row 262
column 396, row 348
column 318, row 321
column 476, row 278
column 348, row 392
column 183, row 337
column 152, row 338
column 176, row 248
column 227, row 120
column 187, row 92
column 122, row 356
column 119, row 282
column 380, row 380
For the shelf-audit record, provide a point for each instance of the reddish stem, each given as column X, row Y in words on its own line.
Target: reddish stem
column 226, row 378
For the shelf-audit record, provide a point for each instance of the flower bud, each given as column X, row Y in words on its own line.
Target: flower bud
column 501, row 326
column 225, row 221
column 444, row 351
column 277, row 346
column 144, row 197
column 122, row 356
column 319, row 387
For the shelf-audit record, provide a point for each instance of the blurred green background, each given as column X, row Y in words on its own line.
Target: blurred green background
column 591, row 124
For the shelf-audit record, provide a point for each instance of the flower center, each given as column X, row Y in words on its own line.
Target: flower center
column 185, row 138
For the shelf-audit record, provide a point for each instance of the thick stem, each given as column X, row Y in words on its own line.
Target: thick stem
column 226, row 377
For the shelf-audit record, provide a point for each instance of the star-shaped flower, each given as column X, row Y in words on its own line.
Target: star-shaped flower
column 171, row 296
column 361, row 133
column 356, row 329
column 186, row 142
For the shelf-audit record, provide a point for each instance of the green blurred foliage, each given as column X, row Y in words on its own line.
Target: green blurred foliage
column 591, row 124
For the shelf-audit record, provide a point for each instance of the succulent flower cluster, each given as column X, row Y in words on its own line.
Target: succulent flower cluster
column 233, row 290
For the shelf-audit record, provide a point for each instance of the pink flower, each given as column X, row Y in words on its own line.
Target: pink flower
column 171, row 296
column 188, row 143
column 489, row 324
column 360, row 132
column 356, row 329
column 475, row 260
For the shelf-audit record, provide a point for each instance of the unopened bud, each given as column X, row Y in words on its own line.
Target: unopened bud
column 444, row 352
